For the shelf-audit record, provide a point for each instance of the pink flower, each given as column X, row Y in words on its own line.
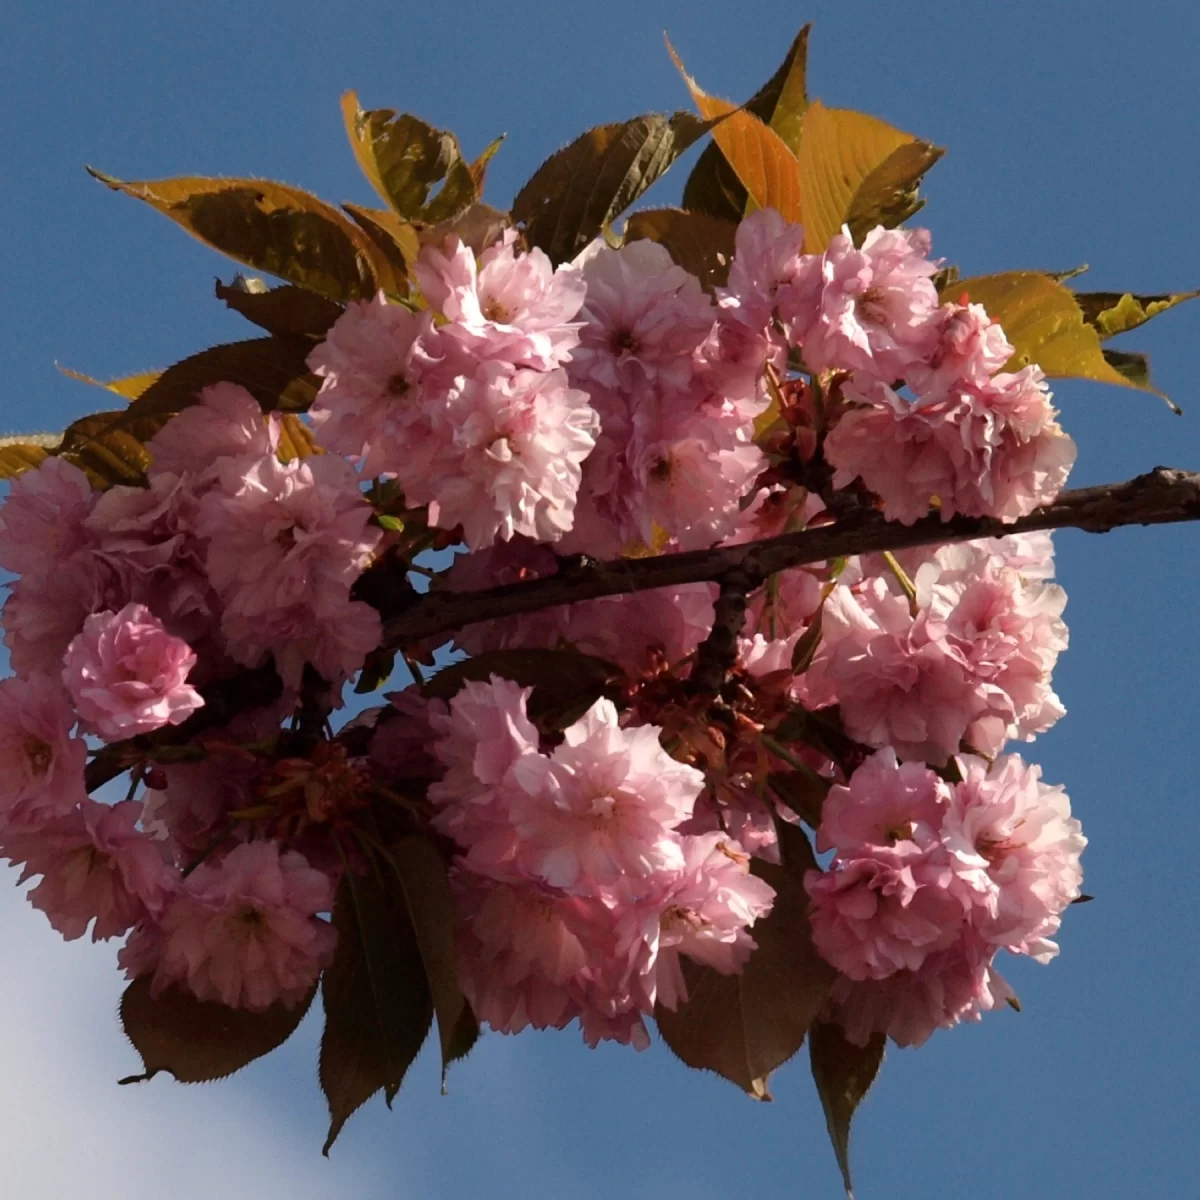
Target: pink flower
column 877, row 311
column 383, row 367
column 128, row 675
column 226, row 423
column 243, row 931
column 767, row 272
column 515, row 307
column 1031, row 844
column 96, row 865
column 42, row 521
column 884, row 802
column 971, row 348
column 991, row 451
column 41, row 764
column 886, row 909
column 645, row 317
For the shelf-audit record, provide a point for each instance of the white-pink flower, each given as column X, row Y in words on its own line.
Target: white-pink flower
column 244, row 931
column 227, row 422
column 128, row 675
column 42, row 520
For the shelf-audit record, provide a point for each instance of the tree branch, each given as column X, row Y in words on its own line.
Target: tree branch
column 1161, row 496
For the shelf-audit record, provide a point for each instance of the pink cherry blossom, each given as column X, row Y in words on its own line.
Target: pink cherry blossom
column 41, row 764
column 42, row 522
column 128, row 675
column 243, row 931
column 227, row 422
column 97, row 865
column 971, row 348
column 768, row 272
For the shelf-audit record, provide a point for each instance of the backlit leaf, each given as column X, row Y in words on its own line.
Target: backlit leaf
column 110, row 447
column 767, row 169
column 700, row 244
column 1118, row 312
column 377, row 1003
column 199, row 1040
column 130, row 387
column 269, row 226
column 585, row 186
column 839, row 152
column 17, row 457
column 713, row 188
column 888, row 195
column 479, row 167
column 394, row 239
column 295, row 439
column 1045, row 324
column 477, row 227
column 744, row 1026
column 289, row 311
column 843, row 1073
column 405, row 159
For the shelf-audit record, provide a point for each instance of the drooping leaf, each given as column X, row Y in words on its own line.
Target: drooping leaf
column 288, row 311
column 1136, row 368
column 405, row 159
column 700, row 244
column 273, row 370
column 744, row 1026
column 130, row 387
column 760, row 158
column 1118, row 312
column 200, row 1040
column 565, row 682
column 1045, row 324
column 713, row 187
column 110, row 447
column 270, row 227
column 840, row 150
column 377, row 1003
column 843, row 1073
column 422, row 877
column 585, row 186
column 888, row 195
column 394, row 239
column 17, row 457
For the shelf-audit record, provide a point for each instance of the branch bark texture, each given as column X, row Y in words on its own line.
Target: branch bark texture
column 1159, row 497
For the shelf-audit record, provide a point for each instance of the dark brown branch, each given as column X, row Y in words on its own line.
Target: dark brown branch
column 717, row 654
column 1159, row 497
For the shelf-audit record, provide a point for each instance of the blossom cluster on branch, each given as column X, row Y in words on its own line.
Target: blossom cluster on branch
column 791, row 792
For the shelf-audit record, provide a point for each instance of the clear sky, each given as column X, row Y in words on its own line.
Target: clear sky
column 1071, row 135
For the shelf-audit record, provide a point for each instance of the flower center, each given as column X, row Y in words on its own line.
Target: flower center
column 398, row 385
column 39, row 755
column 493, row 310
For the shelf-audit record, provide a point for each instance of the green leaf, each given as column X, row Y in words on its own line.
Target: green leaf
column 843, row 1073
column 713, row 188
column 110, row 447
column 288, row 311
column 17, row 457
column 762, row 161
column 269, row 226
column 565, row 683
column 888, row 195
column 377, row 1003
column 405, row 159
column 744, row 1026
column 844, row 155
column 700, row 244
column 1118, row 312
column 477, row 227
column 1043, row 321
column 200, row 1040
column 296, row 439
column 394, row 239
column 585, row 186
column 273, row 370
column 479, row 167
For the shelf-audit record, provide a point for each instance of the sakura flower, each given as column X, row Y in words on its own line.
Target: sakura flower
column 128, row 675
column 970, row 349
column 97, row 865
column 41, row 764
column 42, row 522
column 227, row 422
column 767, row 261
column 243, row 931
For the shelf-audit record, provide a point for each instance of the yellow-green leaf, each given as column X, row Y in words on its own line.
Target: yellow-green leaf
column 295, row 439
column 1118, row 312
column 110, row 447
column 713, row 187
column 269, row 226
column 699, row 243
column 839, row 151
column 130, row 386
column 585, row 186
column 843, row 1073
column 394, row 239
column 17, row 457
column 767, row 169
column 290, row 311
column 477, row 227
column 888, row 195
column 405, row 159
column 479, row 167
column 1045, row 325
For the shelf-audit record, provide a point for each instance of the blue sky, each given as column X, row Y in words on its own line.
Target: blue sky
column 1071, row 135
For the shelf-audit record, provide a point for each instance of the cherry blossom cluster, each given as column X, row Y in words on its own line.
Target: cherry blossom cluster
column 531, row 413
column 929, row 880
